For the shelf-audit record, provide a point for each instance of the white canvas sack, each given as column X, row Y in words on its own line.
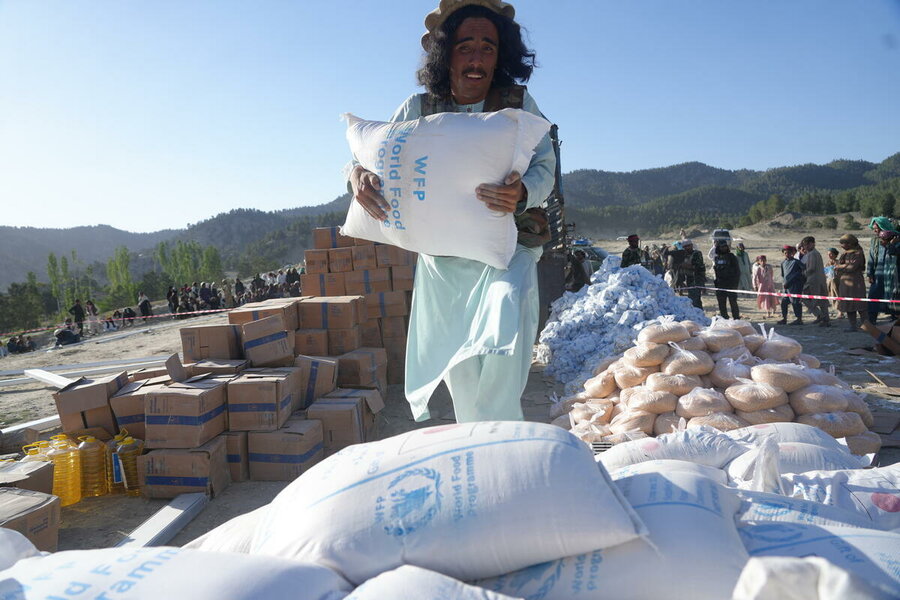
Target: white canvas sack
column 666, row 466
column 693, row 550
column 235, row 535
column 429, row 170
column 169, row 573
column 785, row 432
column 763, row 507
column 704, row 446
column 871, row 493
column 870, row 554
column 13, row 547
column 795, row 457
column 469, row 500
column 812, row 578
column 414, row 582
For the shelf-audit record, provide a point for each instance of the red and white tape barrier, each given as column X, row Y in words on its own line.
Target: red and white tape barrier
column 786, row 295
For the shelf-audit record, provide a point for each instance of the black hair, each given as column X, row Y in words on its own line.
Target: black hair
column 515, row 61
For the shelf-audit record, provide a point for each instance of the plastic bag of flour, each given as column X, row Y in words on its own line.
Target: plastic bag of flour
column 864, row 443
column 778, row 347
column 721, row 339
column 452, row 499
column 652, row 401
column 721, row 421
column 170, row 573
column 810, row 578
column 778, row 414
column 414, row 582
column 429, row 170
column 686, row 362
column 700, row 402
column 667, row 330
column 873, row 494
column 694, row 550
column 647, row 354
column 748, row 395
column 870, row 554
column 818, row 399
column 674, row 384
column 788, row 377
column 839, row 424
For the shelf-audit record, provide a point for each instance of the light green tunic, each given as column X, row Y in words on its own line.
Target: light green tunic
column 473, row 325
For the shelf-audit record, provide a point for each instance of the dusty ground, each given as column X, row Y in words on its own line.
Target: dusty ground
column 102, row 522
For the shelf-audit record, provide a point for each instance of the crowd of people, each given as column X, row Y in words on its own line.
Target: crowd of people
column 17, row 344
column 193, row 298
column 850, row 272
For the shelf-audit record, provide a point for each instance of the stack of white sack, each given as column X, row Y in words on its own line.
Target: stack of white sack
column 680, row 375
column 604, row 318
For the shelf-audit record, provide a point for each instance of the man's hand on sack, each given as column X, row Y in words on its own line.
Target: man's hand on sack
column 504, row 197
column 367, row 191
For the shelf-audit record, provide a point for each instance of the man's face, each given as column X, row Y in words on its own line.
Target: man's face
column 473, row 60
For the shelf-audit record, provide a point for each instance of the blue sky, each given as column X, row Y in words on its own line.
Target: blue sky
column 150, row 115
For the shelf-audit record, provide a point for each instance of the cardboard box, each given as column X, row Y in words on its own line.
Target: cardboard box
column 396, row 364
column 330, row 237
column 368, row 281
column 267, row 343
column 312, row 342
column 34, row 475
column 347, row 416
column 285, row 454
column 341, row 341
column 386, row 304
column 85, row 403
column 218, row 366
column 402, row 278
column 316, row 261
column 148, row 373
column 185, row 415
column 393, row 256
column 393, row 331
column 236, row 455
column 33, row 514
column 364, row 367
column 128, row 405
column 168, row 473
column 259, row 401
column 370, row 333
column 294, row 381
column 318, row 376
column 322, row 284
column 256, row 311
column 210, row 341
column 364, row 257
column 339, row 312
column 340, row 260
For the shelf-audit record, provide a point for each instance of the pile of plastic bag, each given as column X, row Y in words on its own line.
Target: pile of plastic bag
column 679, row 375
column 606, row 317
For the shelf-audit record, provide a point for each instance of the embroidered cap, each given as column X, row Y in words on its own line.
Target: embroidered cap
column 436, row 18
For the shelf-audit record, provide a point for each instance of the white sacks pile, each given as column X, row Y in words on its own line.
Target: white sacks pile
column 604, row 318
column 429, row 170
column 726, row 376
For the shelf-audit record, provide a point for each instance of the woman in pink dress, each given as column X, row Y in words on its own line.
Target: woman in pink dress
column 764, row 281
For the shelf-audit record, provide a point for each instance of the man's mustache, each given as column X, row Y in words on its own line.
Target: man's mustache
column 474, row 70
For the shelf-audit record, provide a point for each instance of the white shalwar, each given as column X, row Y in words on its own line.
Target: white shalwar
column 473, row 325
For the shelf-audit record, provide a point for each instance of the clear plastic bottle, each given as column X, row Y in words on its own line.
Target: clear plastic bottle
column 94, row 481
column 34, row 452
column 66, row 470
column 125, row 460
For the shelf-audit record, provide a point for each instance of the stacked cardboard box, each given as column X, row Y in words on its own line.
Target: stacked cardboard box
column 342, row 266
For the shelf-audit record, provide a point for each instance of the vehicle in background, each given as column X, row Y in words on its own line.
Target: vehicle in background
column 595, row 254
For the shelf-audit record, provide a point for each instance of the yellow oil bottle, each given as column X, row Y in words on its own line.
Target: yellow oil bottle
column 125, row 460
column 66, row 471
column 94, row 481
column 35, row 452
column 114, row 477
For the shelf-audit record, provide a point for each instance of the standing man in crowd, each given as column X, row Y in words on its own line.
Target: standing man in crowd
column 77, row 313
column 632, row 254
column 746, row 282
column 694, row 273
column 728, row 277
column 793, row 278
column 473, row 325
column 881, row 268
column 816, row 284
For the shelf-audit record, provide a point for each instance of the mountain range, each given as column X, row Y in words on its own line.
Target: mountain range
column 601, row 203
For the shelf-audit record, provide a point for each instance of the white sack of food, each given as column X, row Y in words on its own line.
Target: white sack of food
column 414, row 582
column 686, row 362
column 429, row 170
column 872, row 493
column 14, row 547
column 785, row 432
column 674, row 384
column 796, row 457
column 788, row 377
column 837, row 424
column 818, row 399
column 693, row 552
column 765, row 507
column 665, row 466
column 870, row 554
column 700, row 402
column 171, row 573
column 748, row 395
column 235, row 535
column 778, row 414
column 720, row 420
column 701, row 446
column 373, row 507
column 810, row 578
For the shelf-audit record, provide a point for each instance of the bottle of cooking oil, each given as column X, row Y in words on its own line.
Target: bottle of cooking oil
column 114, row 475
column 94, row 481
column 35, row 452
column 125, row 459
column 66, row 470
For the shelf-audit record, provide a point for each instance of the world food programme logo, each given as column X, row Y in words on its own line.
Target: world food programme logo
column 415, row 499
